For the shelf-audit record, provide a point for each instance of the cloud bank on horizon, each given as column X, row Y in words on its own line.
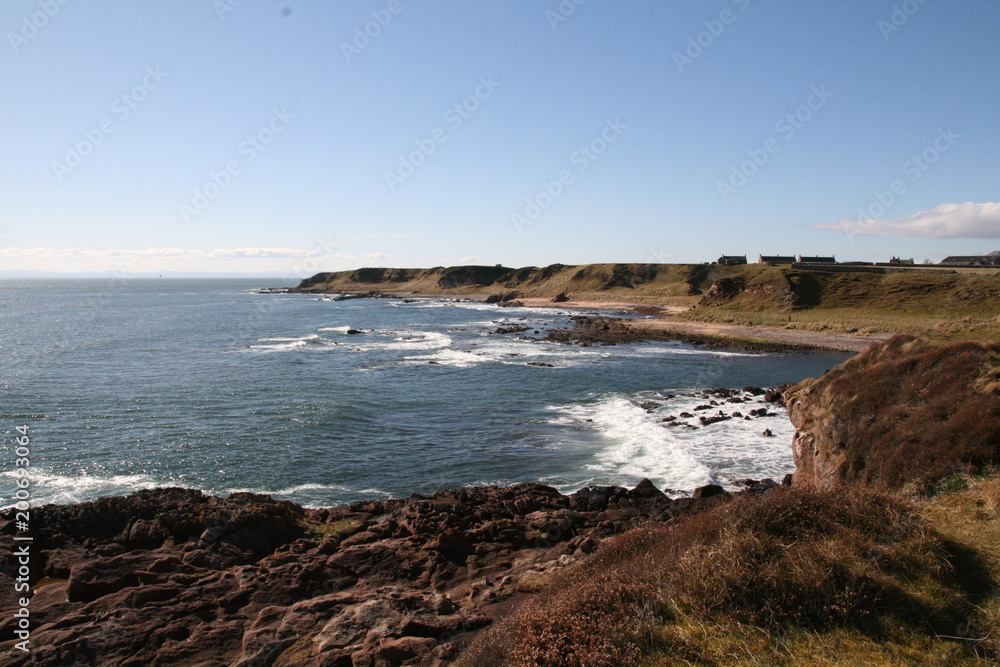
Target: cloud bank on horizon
column 947, row 221
column 293, row 261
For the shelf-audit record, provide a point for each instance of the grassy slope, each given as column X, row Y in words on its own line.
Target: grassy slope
column 852, row 577
column 936, row 304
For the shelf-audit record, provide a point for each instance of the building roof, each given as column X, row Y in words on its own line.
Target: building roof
column 817, row 260
column 777, row 259
column 977, row 259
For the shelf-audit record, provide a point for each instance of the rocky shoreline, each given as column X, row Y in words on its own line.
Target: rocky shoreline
column 587, row 330
column 173, row 576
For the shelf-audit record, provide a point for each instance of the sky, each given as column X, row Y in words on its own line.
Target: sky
column 291, row 136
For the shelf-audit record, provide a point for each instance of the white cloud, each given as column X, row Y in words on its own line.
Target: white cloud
column 947, row 221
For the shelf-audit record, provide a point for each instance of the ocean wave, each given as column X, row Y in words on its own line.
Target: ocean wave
column 288, row 344
column 637, row 443
column 51, row 487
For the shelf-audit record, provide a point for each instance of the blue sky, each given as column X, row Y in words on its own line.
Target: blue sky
column 289, row 136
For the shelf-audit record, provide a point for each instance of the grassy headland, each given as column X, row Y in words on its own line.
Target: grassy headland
column 797, row 577
column 936, row 304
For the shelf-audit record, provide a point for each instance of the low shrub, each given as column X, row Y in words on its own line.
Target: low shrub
column 796, row 558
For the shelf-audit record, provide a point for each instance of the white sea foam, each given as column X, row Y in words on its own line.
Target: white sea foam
column 414, row 340
column 638, row 443
column 638, row 447
column 286, row 340
column 343, row 329
column 50, row 487
column 339, row 488
column 287, row 344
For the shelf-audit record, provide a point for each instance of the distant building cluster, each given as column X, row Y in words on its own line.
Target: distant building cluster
column 775, row 260
column 990, row 260
column 993, row 259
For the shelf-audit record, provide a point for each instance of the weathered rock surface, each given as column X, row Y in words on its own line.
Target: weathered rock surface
column 906, row 411
column 588, row 330
column 175, row 577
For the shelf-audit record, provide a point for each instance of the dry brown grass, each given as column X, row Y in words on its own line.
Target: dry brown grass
column 751, row 579
column 910, row 412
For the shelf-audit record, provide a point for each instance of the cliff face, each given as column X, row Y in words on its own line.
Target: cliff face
column 906, row 411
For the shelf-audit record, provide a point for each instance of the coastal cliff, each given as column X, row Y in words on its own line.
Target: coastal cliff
column 906, row 411
column 944, row 305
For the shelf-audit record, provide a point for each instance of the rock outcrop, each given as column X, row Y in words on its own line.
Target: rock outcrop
column 903, row 412
column 173, row 576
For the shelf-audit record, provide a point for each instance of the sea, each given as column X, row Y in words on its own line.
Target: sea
column 126, row 384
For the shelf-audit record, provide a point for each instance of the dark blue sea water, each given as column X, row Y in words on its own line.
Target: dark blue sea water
column 129, row 384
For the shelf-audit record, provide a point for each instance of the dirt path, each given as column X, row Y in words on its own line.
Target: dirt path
column 845, row 342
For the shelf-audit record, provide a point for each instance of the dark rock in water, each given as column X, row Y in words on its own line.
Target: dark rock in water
column 669, row 418
column 767, row 433
column 650, row 406
column 754, row 391
column 714, row 419
column 776, row 395
column 708, row 491
column 514, row 328
column 540, row 364
column 686, row 415
column 736, row 415
column 562, row 297
column 354, row 332
column 704, row 407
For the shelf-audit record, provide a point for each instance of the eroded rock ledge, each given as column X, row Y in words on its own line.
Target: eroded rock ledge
column 906, row 412
column 173, row 576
